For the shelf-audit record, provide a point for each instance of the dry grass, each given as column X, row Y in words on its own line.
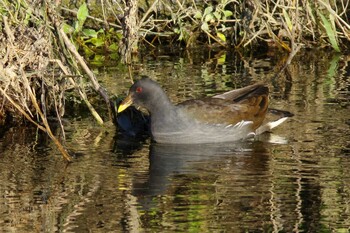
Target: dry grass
column 241, row 24
column 33, row 81
column 29, row 84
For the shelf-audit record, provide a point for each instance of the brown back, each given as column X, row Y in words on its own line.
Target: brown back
column 249, row 104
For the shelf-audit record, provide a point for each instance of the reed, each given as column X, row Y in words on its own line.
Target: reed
column 284, row 24
column 38, row 66
column 281, row 23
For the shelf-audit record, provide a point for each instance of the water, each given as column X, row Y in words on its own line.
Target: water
column 300, row 182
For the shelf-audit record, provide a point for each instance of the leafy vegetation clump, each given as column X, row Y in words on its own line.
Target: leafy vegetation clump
column 228, row 23
column 97, row 45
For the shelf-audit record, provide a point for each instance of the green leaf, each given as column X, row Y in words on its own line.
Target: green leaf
column 208, row 17
column 67, row 28
column 99, row 59
column 221, row 36
column 342, row 230
column 222, row 59
column 88, row 52
column 208, row 10
column 217, row 15
column 97, row 42
column 90, row 33
column 331, row 32
column 228, row 13
column 119, row 35
column 181, row 37
column 198, row 15
column 113, row 47
column 76, row 26
column 114, row 56
column 205, row 26
column 82, row 14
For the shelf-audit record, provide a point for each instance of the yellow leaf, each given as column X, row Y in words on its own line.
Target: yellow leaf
column 221, row 36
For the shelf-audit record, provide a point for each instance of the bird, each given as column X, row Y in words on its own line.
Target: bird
column 235, row 115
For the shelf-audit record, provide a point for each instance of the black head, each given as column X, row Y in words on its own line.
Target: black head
column 145, row 93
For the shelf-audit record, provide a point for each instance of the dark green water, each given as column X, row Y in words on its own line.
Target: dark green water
column 300, row 182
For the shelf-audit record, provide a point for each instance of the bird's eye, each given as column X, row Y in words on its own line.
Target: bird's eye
column 139, row 89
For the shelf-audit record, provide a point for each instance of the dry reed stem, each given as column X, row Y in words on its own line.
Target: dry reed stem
column 44, row 119
column 81, row 92
column 28, row 88
column 331, row 11
column 142, row 21
column 23, row 112
column 91, row 76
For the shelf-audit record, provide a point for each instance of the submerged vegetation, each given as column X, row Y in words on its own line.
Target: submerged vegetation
column 40, row 64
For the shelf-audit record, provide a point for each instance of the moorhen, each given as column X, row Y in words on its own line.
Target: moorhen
column 231, row 116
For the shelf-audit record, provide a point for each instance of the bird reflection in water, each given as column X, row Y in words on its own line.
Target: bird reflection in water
column 168, row 162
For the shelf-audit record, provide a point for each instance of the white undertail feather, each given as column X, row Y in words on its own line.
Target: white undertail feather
column 270, row 125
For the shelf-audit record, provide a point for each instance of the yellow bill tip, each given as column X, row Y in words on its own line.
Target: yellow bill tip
column 125, row 104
